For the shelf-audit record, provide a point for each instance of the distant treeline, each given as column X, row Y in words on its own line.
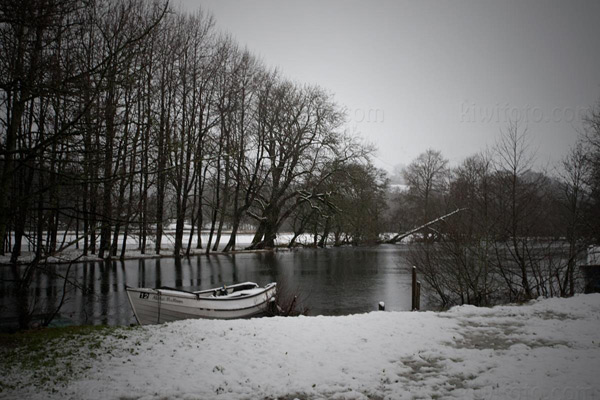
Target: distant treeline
column 522, row 232
column 117, row 116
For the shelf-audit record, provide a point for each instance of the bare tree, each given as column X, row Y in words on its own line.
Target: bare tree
column 299, row 127
column 427, row 179
column 194, row 73
column 520, row 200
column 575, row 174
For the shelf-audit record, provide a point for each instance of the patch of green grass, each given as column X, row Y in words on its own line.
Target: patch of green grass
column 37, row 337
column 52, row 355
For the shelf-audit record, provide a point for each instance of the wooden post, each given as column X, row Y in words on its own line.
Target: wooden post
column 419, row 295
column 413, row 305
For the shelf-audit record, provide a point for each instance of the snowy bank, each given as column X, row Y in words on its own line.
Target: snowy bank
column 71, row 253
column 545, row 349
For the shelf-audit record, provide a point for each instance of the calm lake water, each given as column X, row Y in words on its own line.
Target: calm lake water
column 338, row 281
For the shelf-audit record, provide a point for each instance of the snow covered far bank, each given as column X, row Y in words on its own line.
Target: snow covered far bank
column 546, row 349
column 71, row 253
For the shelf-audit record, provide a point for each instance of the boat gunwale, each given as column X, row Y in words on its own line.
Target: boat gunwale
column 197, row 295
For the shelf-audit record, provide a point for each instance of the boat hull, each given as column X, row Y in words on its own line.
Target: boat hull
column 155, row 306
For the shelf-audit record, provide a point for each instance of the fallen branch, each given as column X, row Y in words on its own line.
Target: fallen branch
column 401, row 236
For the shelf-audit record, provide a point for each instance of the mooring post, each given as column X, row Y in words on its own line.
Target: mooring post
column 413, row 305
column 418, row 295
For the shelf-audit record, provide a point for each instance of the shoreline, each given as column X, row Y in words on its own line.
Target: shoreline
column 71, row 254
column 61, row 259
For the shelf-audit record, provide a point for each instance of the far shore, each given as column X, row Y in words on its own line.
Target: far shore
column 243, row 240
column 72, row 254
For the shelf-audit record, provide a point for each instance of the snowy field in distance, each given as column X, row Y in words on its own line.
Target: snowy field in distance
column 548, row 349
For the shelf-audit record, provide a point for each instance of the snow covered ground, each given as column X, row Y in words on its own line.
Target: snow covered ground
column 546, row 349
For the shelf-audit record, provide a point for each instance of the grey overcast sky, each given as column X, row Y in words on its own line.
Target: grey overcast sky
column 441, row 74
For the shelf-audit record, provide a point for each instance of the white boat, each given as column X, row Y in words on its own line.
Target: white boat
column 243, row 300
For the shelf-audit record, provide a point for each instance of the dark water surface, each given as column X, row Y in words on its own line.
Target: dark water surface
column 336, row 281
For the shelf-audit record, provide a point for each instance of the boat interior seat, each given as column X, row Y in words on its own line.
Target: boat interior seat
column 237, row 293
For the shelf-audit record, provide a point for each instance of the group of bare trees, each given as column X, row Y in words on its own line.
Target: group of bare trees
column 117, row 116
column 351, row 209
column 522, row 234
column 120, row 116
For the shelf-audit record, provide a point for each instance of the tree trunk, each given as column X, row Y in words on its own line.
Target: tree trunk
column 109, row 115
column 323, row 241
